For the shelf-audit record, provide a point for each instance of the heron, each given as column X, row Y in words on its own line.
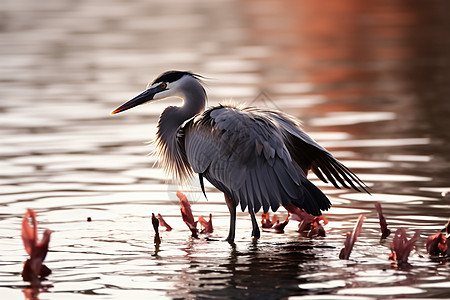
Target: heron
column 258, row 158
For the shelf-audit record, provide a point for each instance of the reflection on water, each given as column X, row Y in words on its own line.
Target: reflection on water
column 369, row 80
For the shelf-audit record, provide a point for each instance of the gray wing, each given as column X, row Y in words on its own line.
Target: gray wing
column 311, row 156
column 244, row 155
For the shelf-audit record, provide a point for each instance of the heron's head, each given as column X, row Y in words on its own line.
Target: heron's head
column 168, row 84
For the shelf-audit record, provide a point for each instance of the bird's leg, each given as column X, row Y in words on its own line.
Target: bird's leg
column 255, row 232
column 232, row 208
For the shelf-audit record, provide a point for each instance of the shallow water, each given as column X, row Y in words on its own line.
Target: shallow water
column 369, row 81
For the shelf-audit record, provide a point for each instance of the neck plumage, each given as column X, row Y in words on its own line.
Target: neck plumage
column 169, row 146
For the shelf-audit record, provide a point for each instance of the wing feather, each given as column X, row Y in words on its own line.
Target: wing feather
column 244, row 154
column 310, row 155
column 257, row 189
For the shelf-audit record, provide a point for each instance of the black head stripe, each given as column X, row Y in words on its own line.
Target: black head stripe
column 171, row 76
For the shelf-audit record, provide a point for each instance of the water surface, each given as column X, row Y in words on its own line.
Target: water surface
column 369, row 81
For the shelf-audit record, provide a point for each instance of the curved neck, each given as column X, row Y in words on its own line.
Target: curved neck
column 170, row 121
column 194, row 96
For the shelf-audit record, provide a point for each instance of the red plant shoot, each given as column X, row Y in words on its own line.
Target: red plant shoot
column 437, row 244
column 207, row 225
column 308, row 222
column 155, row 223
column 305, row 223
column 297, row 214
column 34, row 269
column 186, row 214
column 351, row 239
column 279, row 226
column 266, row 222
column 316, row 229
column 401, row 247
column 385, row 232
column 163, row 223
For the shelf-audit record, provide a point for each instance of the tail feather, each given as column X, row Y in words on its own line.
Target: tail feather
column 313, row 200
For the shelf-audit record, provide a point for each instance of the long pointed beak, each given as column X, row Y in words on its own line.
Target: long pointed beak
column 142, row 98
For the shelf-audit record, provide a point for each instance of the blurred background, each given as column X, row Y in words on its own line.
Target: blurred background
column 369, row 79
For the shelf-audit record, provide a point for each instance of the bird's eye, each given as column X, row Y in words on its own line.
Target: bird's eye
column 163, row 85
